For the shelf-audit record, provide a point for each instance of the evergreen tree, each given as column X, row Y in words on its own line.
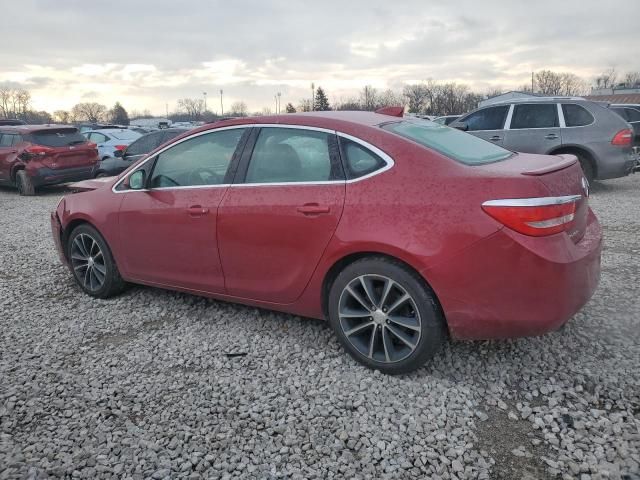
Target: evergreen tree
column 290, row 108
column 321, row 101
column 119, row 115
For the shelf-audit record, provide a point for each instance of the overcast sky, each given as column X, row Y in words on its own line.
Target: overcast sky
column 150, row 53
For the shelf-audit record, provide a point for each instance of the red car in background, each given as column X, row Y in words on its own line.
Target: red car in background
column 32, row 156
column 399, row 231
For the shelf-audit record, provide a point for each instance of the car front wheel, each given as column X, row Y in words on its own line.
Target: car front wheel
column 92, row 263
column 385, row 315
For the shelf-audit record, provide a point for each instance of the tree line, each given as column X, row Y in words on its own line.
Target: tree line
column 429, row 97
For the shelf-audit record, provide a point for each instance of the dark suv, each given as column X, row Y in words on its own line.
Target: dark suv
column 553, row 125
column 35, row 155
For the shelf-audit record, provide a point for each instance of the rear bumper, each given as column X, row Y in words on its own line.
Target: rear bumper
column 621, row 164
column 56, row 232
column 47, row 176
column 509, row 285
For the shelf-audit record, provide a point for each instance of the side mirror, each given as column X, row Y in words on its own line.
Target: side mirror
column 460, row 126
column 137, row 180
column 118, row 153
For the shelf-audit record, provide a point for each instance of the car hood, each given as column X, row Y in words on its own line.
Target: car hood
column 92, row 184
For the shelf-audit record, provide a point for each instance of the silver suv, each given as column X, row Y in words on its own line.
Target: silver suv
column 552, row 125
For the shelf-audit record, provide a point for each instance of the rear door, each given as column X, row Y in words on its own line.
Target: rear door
column 488, row 123
column 68, row 148
column 534, row 128
column 276, row 221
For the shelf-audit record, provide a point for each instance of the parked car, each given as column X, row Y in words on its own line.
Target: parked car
column 446, row 119
column 352, row 216
column 35, row 155
column 554, row 125
column 87, row 127
column 123, row 159
column 630, row 113
column 112, row 139
column 5, row 122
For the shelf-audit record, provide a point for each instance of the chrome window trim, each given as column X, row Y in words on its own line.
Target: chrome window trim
column 561, row 121
column 507, row 122
column 389, row 162
column 532, row 202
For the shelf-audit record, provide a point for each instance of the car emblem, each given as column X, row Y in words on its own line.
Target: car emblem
column 585, row 186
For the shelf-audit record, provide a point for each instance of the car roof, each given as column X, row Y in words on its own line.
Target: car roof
column 331, row 120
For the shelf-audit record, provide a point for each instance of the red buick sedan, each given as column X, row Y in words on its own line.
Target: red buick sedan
column 399, row 231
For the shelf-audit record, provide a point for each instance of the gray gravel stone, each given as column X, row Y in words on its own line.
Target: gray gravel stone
column 140, row 387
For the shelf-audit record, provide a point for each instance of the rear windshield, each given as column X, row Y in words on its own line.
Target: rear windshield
column 460, row 146
column 125, row 135
column 62, row 137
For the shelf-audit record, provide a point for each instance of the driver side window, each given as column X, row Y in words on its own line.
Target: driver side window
column 201, row 160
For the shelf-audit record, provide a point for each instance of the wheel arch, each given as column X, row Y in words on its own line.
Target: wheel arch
column 14, row 171
column 348, row 259
column 71, row 226
column 578, row 150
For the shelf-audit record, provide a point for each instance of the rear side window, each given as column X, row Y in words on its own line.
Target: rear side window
column 57, row 137
column 144, row 144
column 457, row 145
column 535, row 116
column 8, row 139
column 576, row 116
column 359, row 160
column 287, row 155
column 633, row 115
column 490, row 118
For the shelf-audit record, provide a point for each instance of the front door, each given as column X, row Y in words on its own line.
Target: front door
column 276, row 221
column 488, row 123
column 534, row 128
column 168, row 230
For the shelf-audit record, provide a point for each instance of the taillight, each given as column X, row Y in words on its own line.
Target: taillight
column 120, row 147
column 92, row 145
column 623, row 138
column 536, row 217
column 34, row 150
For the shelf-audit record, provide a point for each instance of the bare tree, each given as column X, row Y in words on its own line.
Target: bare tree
column 304, row 105
column 572, row 84
column 62, row 116
column 389, row 98
column 6, row 94
column 350, row 103
column 89, row 111
column 416, row 96
column 607, row 79
column 632, row 79
column 22, row 101
column 193, row 107
column 369, row 98
column 549, row 83
column 239, row 109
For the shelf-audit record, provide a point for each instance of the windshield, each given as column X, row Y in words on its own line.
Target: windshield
column 460, row 146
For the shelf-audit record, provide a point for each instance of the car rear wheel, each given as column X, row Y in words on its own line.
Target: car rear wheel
column 92, row 263
column 24, row 184
column 385, row 315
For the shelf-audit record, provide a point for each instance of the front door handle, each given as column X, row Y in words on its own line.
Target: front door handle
column 313, row 209
column 197, row 210
column 551, row 136
column 495, row 138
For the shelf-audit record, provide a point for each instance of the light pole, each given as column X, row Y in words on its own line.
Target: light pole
column 313, row 95
column 279, row 102
column 205, row 100
column 221, row 105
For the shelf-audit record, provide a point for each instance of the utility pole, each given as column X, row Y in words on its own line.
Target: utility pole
column 279, row 102
column 313, row 96
column 221, row 104
column 167, row 109
column 531, row 82
column 205, row 100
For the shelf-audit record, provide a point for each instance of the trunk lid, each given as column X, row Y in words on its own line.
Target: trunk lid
column 558, row 175
column 66, row 148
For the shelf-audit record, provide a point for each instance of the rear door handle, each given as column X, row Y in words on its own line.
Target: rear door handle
column 197, row 210
column 551, row 136
column 495, row 138
column 313, row 209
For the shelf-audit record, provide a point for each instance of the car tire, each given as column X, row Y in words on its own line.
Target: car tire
column 92, row 263
column 24, row 184
column 392, row 338
column 587, row 168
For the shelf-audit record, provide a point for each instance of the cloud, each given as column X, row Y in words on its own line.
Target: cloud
column 150, row 53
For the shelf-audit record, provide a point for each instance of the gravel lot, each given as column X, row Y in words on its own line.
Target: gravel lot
column 144, row 386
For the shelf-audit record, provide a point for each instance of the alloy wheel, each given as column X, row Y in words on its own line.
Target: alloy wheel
column 88, row 262
column 379, row 318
